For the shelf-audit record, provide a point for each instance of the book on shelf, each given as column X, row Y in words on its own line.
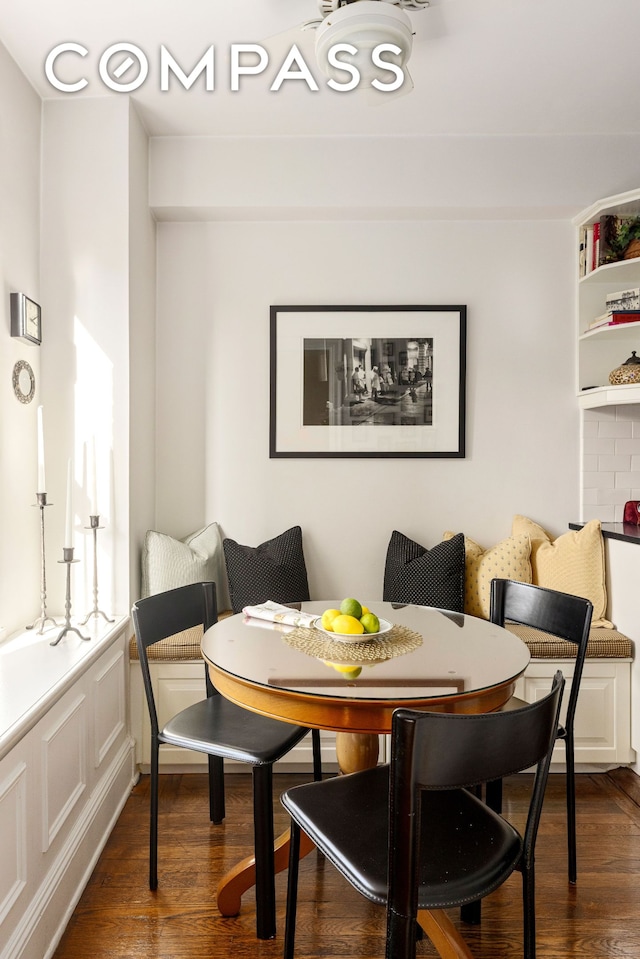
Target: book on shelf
column 589, row 250
column 623, row 299
column 615, row 318
column 619, row 238
column 595, row 260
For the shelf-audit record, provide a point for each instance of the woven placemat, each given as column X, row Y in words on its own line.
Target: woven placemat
column 397, row 642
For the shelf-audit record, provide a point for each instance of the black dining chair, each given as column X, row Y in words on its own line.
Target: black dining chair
column 414, row 836
column 220, row 729
column 569, row 618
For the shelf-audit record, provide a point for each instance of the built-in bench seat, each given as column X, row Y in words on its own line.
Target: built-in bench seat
column 603, row 721
column 603, row 644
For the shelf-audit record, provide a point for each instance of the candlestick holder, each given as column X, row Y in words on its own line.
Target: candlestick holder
column 42, row 619
column 67, row 557
column 94, row 520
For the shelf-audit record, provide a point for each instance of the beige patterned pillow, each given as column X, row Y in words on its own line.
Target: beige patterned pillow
column 508, row 559
column 572, row 563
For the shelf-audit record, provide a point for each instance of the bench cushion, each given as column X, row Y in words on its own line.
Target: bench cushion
column 176, row 648
column 603, row 644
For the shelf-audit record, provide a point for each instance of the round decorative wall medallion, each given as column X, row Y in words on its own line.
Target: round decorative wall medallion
column 24, row 381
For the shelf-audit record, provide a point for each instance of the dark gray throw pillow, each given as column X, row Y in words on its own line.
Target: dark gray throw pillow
column 426, row 577
column 274, row 570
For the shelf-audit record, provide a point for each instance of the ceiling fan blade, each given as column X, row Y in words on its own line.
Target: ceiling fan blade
column 304, row 37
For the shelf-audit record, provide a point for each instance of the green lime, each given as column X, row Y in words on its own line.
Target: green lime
column 370, row 622
column 351, row 607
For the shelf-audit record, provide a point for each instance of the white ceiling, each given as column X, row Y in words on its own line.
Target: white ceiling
column 480, row 67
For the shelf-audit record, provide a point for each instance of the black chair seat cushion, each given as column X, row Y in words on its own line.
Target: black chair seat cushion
column 347, row 818
column 426, row 577
column 273, row 570
column 236, row 733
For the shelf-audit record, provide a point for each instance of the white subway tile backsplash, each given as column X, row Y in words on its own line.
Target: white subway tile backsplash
column 597, row 414
column 604, row 513
column 615, row 428
column 612, row 497
column 601, row 445
column 627, row 479
column 610, row 461
column 599, row 480
column 630, row 411
column 614, row 464
column 625, row 445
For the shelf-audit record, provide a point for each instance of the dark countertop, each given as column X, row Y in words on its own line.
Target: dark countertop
column 628, row 532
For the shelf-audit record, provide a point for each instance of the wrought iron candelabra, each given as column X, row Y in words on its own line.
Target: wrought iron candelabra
column 67, row 557
column 94, row 520
column 42, row 619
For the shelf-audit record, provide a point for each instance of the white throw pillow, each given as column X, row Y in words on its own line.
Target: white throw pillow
column 168, row 562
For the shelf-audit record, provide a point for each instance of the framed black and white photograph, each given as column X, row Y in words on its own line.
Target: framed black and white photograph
column 367, row 381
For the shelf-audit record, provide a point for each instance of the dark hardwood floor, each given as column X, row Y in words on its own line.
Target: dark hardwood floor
column 119, row 917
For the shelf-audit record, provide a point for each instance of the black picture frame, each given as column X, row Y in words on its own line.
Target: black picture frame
column 339, row 390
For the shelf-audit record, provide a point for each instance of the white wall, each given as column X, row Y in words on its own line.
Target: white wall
column 86, row 286
column 142, row 364
column 19, row 272
column 216, row 283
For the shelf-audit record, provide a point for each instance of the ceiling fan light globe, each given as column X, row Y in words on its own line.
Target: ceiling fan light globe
column 365, row 25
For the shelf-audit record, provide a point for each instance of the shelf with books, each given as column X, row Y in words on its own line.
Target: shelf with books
column 604, row 289
column 613, row 328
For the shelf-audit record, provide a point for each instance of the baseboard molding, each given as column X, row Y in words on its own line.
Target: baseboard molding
column 45, row 918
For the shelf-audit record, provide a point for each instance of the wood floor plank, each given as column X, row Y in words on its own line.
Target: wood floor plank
column 118, row 917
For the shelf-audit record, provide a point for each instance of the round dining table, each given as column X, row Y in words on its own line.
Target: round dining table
column 427, row 659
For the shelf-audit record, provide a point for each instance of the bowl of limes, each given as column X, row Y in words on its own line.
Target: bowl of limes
column 352, row 622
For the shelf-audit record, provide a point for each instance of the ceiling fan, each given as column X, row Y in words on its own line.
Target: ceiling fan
column 361, row 42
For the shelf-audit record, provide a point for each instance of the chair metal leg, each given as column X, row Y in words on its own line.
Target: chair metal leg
column 153, row 818
column 216, row 789
column 401, row 936
column 264, row 852
column 493, row 795
column 471, row 913
column 571, row 807
column 529, row 912
column 292, row 892
column 317, row 759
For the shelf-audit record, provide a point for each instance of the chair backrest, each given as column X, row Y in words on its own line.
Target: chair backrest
column 165, row 614
column 456, row 750
column 553, row 612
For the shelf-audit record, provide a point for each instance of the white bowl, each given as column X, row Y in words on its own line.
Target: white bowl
column 385, row 626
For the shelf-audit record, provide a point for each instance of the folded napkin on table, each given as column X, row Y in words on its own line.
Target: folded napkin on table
column 276, row 613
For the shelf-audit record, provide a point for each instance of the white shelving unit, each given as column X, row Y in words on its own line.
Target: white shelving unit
column 602, row 350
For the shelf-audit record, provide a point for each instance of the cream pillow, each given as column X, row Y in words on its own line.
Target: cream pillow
column 168, row 563
column 572, row 563
column 508, row 559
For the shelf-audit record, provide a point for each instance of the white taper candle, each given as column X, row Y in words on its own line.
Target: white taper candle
column 68, row 524
column 93, row 478
column 41, row 480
